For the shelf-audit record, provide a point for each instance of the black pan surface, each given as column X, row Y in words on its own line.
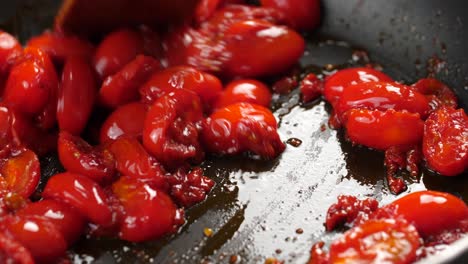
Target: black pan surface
column 276, row 209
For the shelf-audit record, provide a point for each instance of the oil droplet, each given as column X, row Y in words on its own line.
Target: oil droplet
column 271, row 261
column 234, row 259
column 208, row 232
column 299, row 231
column 295, row 142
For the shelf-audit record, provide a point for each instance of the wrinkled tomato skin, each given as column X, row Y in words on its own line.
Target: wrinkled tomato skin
column 10, row 50
column 382, row 130
column 258, row 48
column 336, row 83
column 66, row 219
column 242, row 127
column 431, row 212
column 122, row 87
column 382, row 96
column 445, row 141
column 377, row 241
column 21, row 172
column 172, row 127
column 11, row 251
column 77, row 156
column 82, row 193
column 116, row 50
column 300, row 14
column 189, row 188
column 126, row 120
column 437, row 92
column 76, row 95
column 245, row 90
column 30, row 82
column 148, row 213
column 205, row 85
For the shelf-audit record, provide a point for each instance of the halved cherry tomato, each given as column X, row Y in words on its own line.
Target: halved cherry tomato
column 382, row 96
column 349, row 210
column 377, row 241
column 77, row 156
column 11, row 251
column 382, row 130
column 300, row 14
column 189, row 188
column 172, row 127
column 311, row 87
column 76, row 95
column 148, row 213
column 82, row 193
column 437, row 92
column 126, row 120
column 258, row 48
column 207, row 86
column 116, row 50
column 336, row 83
column 122, row 87
column 445, row 142
column 431, row 212
column 245, row 90
column 59, row 47
column 242, row 127
column 66, row 219
column 10, row 51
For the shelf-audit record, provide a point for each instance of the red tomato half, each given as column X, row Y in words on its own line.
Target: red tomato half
column 437, row 92
column 300, row 14
column 247, row 91
column 126, row 120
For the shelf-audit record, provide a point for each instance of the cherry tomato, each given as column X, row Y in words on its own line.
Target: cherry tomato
column 349, row 210
column 116, row 50
column 377, row 241
column 382, row 96
column 132, row 160
column 30, row 83
column 189, row 188
column 242, row 127
column 311, row 87
column 300, row 14
column 77, row 156
column 431, row 212
column 336, row 83
column 207, row 86
column 126, row 120
column 148, row 213
column 245, row 90
column 59, row 47
column 122, row 87
column 172, row 128
column 259, row 48
column 11, row 251
column 66, row 219
column 437, row 92
column 382, row 130
column 47, row 118
column 76, row 95
column 318, row 255
column 82, row 193
column 10, row 50
column 445, row 142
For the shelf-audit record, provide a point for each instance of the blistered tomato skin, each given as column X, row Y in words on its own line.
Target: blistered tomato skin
column 82, row 193
column 247, row 91
column 76, row 95
column 13, row 252
column 189, row 188
column 10, row 50
column 300, row 14
column 116, row 50
column 258, row 48
column 445, row 142
column 382, row 130
column 126, row 120
column 336, row 83
column 437, row 93
column 172, row 127
column 122, row 87
column 349, row 210
column 382, row 96
column 242, row 127
column 431, row 212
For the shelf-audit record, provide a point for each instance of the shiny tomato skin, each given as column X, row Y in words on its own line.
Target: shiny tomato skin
column 172, row 127
column 437, row 92
column 10, row 50
column 76, row 95
column 11, row 251
column 382, row 96
column 116, row 50
column 148, row 213
column 382, row 130
column 126, row 120
column 311, row 87
column 431, row 212
column 242, row 127
column 300, row 14
column 336, row 83
column 122, row 87
column 21, row 171
column 377, row 241
column 258, row 48
column 245, row 90
column 77, row 156
column 66, row 219
column 445, row 141
column 82, row 193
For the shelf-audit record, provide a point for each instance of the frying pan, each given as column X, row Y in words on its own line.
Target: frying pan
column 261, row 209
